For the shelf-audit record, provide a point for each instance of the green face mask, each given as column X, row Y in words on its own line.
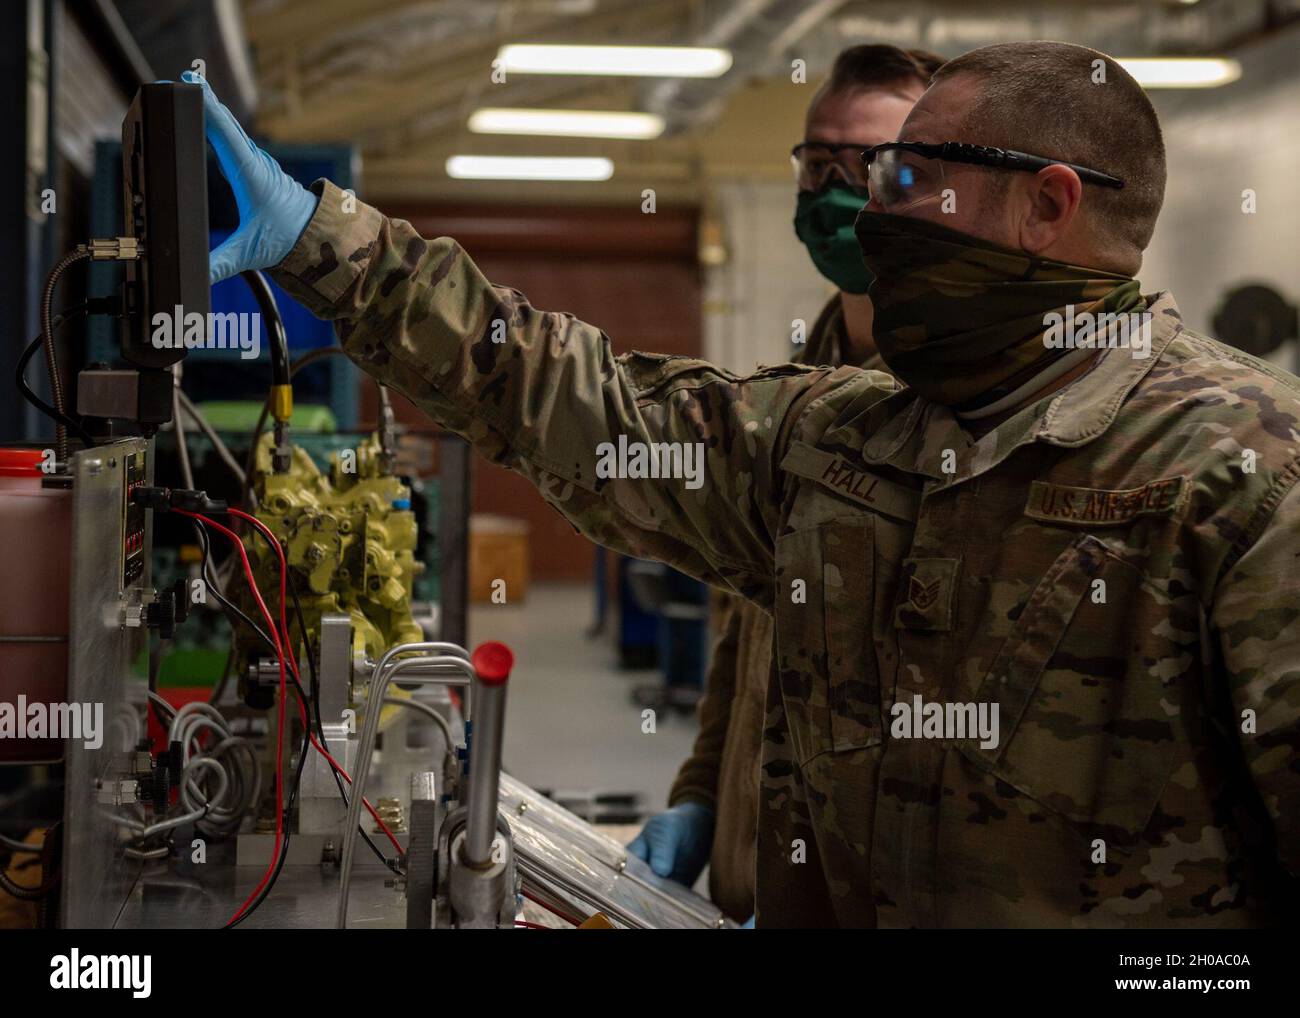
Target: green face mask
column 961, row 320
column 824, row 221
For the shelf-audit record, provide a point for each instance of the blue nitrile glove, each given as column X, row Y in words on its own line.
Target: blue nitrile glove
column 676, row 842
column 748, row 924
column 274, row 208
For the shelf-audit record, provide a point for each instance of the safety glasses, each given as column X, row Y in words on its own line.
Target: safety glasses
column 816, row 163
column 901, row 174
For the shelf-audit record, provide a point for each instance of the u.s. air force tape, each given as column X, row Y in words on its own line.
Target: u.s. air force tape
column 1102, row 507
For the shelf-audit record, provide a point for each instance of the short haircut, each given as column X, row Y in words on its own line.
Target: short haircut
column 1050, row 99
column 866, row 67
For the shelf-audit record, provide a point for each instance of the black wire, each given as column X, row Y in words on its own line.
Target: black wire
column 79, row 253
column 14, row 845
column 278, row 340
column 29, row 394
column 288, row 830
column 315, row 702
column 302, row 757
column 310, row 357
column 29, row 893
column 320, row 729
column 200, row 529
column 311, row 663
column 230, row 608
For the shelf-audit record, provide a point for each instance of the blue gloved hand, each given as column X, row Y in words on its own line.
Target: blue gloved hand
column 274, row 208
column 676, row 842
column 748, row 924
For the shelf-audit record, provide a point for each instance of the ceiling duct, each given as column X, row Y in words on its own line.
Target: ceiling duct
column 756, row 32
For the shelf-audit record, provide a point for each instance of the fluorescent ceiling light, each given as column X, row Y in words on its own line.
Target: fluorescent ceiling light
column 566, row 123
column 1181, row 72
column 466, row 167
column 630, row 61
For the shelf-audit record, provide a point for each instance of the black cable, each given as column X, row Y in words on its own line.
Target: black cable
column 215, row 696
column 311, row 357
column 306, row 746
column 275, row 334
column 14, row 845
column 51, row 359
column 29, row 394
column 288, row 830
column 320, row 728
column 200, row 528
column 28, row 893
column 311, row 664
column 230, row 608
column 281, row 369
column 314, row 702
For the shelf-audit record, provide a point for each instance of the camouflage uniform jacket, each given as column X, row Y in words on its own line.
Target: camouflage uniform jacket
column 1116, row 568
column 722, row 771
column 828, row 342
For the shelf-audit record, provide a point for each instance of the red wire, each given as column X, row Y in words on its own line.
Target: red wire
column 302, row 711
column 293, row 664
column 532, row 926
column 364, row 801
column 279, row 737
column 551, row 908
column 280, row 648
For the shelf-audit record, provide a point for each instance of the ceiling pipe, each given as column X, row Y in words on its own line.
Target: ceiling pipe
column 755, row 32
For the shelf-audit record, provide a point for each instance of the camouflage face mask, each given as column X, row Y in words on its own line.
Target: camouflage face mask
column 961, row 320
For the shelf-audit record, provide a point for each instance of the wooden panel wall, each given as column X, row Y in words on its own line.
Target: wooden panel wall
column 634, row 275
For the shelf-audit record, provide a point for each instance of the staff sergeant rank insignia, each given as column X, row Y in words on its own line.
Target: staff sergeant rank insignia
column 1061, row 503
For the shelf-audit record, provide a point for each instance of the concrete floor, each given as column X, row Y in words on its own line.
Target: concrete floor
column 571, row 725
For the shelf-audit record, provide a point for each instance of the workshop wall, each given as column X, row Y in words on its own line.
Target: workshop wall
column 633, row 275
column 1219, row 142
column 765, row 281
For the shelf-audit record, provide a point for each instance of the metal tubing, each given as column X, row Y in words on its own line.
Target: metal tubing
column 456, row 671
column 484, row 772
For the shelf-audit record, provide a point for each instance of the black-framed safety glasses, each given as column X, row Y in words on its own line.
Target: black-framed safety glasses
column 816, row 163
column 901, row 174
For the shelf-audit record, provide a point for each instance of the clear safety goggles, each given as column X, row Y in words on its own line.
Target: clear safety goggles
column 817, row 163
column 901, row 174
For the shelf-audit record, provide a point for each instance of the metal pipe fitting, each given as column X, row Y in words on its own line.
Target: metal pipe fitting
column 492, row 663
column 450, row 667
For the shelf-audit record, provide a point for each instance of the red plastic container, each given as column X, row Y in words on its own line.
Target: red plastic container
column 35, row 568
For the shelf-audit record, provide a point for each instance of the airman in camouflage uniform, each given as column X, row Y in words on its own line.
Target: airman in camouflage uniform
column 1147, row 769
column 723, row 769
column 863, row 101
column 1112, row 562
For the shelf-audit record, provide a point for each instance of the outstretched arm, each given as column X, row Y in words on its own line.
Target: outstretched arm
column 659, row 457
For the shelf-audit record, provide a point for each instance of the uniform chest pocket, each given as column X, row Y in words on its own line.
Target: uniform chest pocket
column 1086, row 728
column 825, row 655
